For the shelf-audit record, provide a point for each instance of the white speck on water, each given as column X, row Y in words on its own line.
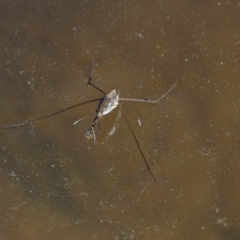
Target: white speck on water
column 139, row 122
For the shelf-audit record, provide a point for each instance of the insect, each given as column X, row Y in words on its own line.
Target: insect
column 106, row 104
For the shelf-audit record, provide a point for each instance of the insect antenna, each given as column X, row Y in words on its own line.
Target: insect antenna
column 139, row 147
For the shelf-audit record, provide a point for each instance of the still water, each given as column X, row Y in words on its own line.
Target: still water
column 55, row 184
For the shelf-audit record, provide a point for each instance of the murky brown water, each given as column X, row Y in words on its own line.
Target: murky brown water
column 55, row 184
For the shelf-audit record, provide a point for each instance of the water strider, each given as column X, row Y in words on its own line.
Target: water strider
column 106, row 104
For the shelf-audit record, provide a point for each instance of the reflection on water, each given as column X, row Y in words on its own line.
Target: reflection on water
column 89, row 134
column 56, row 184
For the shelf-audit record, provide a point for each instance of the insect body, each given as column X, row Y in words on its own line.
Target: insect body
column 109, row 102
column 106, row 104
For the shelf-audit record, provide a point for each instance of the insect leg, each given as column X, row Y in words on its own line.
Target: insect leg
column 90, row 80
column 96, row 119
column 51, row 115
column 139, row 147
column 147, row 100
